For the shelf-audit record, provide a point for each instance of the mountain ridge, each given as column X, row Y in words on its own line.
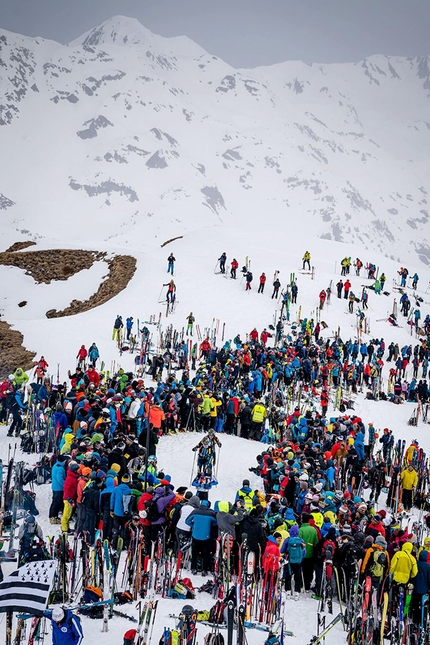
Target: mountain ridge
column 153, row 133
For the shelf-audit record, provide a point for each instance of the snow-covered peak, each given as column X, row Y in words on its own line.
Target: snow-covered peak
column 119, row 30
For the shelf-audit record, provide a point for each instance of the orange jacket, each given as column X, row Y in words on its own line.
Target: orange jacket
column 156, row 416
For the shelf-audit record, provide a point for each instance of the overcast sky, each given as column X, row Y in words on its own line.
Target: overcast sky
column 246, row 33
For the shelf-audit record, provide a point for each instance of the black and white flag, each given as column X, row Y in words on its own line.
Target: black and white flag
column 27, row 589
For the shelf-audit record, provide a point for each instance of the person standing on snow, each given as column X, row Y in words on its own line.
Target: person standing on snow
column 171, row 263
column 322, row 298
column 276, row 286
column 339, row 288
column 66, row 627
column 262, row 283
column 306, row 259
column 171, row 291
column 248, row 278
column 222, row 260
column 190, row 323
column 81, row 356
column 415, row 279
column 93, row 354
column 234, row 266
column 294, row 292
column 117, row 326
column 128, row 326
column 346, row 287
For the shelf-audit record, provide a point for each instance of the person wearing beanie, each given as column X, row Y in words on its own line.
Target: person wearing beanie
column 246, row 495
column 309, row 535
column 58, row 477
column 295, row 548
column 403, row 565
column 376, row 561
column 70, row 492
column 119, row 508
column 66, row 626
column 421, row 585
column 409, row 480
column 180, row 514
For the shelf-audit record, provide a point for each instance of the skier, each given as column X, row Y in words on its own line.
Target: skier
column 129, row 326
column 15, row 404
column 322, row 298
column 248, row 278
column 276, row 286
column 234, row 267
column 295, row 548
column 306, row 259
column 409, row 479
column 358, row 266
column 222, row 260
column 190, row 322
column 382, row 280
column 201, row 521
column 339, row 288
column 81, row 356
column 351, row 301
column 346, row 288
column 66, row 627
column 118, row 325
column 262, row 283
column 28, row 530
column 93, row 354
column 294, row 293
column 171, row 291
column 415, row 279
column 171, row 263
column 40, row 370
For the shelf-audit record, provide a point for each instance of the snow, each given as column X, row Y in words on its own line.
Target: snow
column 344, row 147
column 268, row 216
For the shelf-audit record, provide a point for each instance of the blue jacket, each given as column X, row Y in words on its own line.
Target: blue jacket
column 58, row 475
column 201, row 521
column 42, row 393
column 61, row 419
column 422, row 579
column 116, row 504
column 69, row 632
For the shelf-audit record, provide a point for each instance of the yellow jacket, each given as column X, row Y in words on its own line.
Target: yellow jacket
column 318, row 518
column 409, row 479
column 403, row 565
column 215, row 404
column 258, row 413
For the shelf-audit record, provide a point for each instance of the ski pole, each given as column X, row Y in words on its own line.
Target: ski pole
column 192, row 470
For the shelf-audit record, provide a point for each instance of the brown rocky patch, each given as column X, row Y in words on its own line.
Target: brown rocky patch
column 52, row 264
column 18, row 246
column 121, row 271
column 12, row 352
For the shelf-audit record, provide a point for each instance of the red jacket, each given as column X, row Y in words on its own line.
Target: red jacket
column 82, row 354
column 262, row 278
column 70, row 490
column 347, row 285
column 93, row 376
column 271, row 555
column 254, row 335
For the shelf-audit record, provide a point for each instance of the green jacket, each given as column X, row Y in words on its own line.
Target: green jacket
column 309, row 537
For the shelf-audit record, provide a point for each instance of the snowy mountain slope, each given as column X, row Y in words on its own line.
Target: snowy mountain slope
column 158, row 137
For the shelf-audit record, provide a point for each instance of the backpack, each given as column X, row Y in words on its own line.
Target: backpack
column 152, row 512
column 127, row 504
column 214, row 639
column 351, row 558
column 328, row 550
column 378, row 559
column 92, row 595
column 295, row 550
